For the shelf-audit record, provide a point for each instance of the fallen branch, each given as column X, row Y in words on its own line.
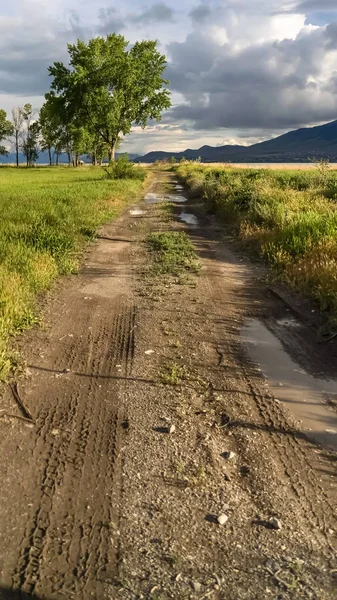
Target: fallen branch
column 26, row 412
column 16, row 417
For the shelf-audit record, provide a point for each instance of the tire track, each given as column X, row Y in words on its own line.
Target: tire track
column 67, row 544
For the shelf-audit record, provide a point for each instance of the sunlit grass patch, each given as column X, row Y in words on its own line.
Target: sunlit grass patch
column 173, row 253
column 47, row 216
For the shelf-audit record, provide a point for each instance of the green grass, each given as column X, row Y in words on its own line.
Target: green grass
column 173, row 374
column 47, row 216
column 287, row 217
column 173, row 253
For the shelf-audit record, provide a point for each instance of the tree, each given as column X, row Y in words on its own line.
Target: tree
column 108, row 87
column 30, row 141
column 6, row 129
column 50, row 127
column 17, row 120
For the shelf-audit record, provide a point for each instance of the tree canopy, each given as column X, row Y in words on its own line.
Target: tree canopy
column 109, row 86
column 6, row 129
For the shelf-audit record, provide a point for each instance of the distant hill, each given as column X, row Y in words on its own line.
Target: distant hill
column 44, row 158
column 296, row 146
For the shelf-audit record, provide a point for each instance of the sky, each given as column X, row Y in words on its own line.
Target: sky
column 240, row 71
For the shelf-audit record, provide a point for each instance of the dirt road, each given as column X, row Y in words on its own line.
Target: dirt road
column 98, row 499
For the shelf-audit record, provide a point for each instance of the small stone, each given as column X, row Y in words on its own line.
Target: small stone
column 172, row 428
column 196, row 586
column 55, row 432
column 66, row 371
column 275, row 523
column 222, row 519
column 228, row 455
column 149, row 352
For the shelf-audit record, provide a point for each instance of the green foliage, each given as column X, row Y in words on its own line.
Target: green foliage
column 47, row 216
column 122, row 168
column 6, row 129
column 173, row 253
column 108, row 86
column 288, row 217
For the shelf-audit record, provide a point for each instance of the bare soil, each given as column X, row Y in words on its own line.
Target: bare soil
column 99, row 500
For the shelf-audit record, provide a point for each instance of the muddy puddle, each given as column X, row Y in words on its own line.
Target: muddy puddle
column 188, row 218
column 304, row 396
column 137, row 212
column 175, row 198
column 152, row 198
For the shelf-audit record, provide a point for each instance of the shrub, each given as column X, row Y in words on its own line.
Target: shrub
column 122, row 168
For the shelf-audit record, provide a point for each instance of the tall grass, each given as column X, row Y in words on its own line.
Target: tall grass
column 47, row 215
column 288, row 217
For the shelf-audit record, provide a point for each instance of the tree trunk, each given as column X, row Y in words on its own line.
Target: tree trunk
column 57, row 159
column 17, row 147
column 112, row 153
column 50, row 159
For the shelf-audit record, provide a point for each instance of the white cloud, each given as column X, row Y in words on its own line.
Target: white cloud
column 241, row 70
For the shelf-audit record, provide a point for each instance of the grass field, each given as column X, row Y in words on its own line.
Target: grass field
column 287, row 216
column 47, row 216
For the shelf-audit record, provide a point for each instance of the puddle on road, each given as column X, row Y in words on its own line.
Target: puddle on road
column 301, row 393
column 288, row 322
column 188, row 218
column 137, row 212
column 175, row 198
column 151, row 198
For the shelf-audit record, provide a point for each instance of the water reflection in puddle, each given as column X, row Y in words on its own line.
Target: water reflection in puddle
column 175, row 198
column 188, row 218
column 302, row 394
column 151, row 198
column 137, row 212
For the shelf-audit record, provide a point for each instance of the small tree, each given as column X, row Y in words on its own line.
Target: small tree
column 109, row 87
column 50, row 127
column 6, row 129
column 30, row 141
column 17, row 120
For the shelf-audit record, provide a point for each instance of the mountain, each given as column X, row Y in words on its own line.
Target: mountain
column 301, row 145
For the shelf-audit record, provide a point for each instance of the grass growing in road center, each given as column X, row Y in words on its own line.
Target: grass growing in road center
column 173, row 253
column 47, row 215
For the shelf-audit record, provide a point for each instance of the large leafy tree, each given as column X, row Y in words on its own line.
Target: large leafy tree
column 109, row 86
column 6, row 129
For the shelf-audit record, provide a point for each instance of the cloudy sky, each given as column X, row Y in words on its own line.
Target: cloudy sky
column 240, row 70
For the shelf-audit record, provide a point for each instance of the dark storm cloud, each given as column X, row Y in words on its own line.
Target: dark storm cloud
column 157, row 13
column 200, row 13
column 110, row 21
column 267, row 85
column 308, row 6
column 28, row 49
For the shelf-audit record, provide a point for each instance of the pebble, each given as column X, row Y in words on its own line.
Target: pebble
column 55, row 432
column 149, row 352
column 275, row 523
column 228, row 455
column 196, row 586
column 172, row 429
column 222, row 519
